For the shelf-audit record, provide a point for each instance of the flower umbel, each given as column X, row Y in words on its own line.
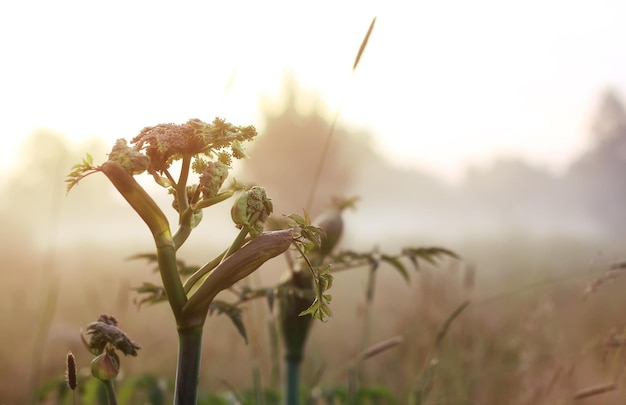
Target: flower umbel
column 165, row 143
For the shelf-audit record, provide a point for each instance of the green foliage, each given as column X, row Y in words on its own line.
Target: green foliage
column 143, row 388
column 428, row 254
column 154, row 294
column 88, row 391
column 311, row 238
column 183, row 268
column 80, row 171
column 322, row 280
column 370, row 395
column 350, row 259
column 234, row 314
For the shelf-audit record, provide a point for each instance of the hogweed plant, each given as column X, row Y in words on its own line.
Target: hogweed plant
column 204, row 153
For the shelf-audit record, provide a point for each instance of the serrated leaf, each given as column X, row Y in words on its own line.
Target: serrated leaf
column 183, row 268
column 155, row 294
column 150, row 257
column 297, row 218
column 428, row 254
column 234, row 314
column 396, row 264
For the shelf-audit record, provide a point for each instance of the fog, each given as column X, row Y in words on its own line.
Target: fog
column 67, row 251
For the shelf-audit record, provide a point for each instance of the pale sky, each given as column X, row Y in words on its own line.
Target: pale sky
column 441, row 84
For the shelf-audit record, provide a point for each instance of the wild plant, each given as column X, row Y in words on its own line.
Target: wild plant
column 205, row 150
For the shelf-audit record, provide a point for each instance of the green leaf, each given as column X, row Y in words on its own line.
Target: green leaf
column 297, row 219
column 155, row 294
column 130, row 390
column 183, row 268
column 234, row 314
column 80, row 171
column 307, row 218
column 397, row 264
column 428, row 254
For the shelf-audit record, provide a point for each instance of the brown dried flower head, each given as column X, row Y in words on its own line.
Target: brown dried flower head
column 105, row 333
column 70, row 371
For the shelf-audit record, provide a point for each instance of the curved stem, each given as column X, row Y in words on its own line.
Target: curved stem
column 166, row 257
column 188, row 368
column 201, row 272
column 181, row 187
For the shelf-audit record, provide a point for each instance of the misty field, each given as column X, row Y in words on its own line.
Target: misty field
column 528, row 336
column 531, row 310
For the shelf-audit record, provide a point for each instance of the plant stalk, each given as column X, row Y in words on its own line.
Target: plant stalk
column 292, row 380
column 109, row 385
column 188, row 368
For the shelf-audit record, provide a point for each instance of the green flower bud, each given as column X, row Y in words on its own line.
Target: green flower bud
column 252, row 209
column 332, row 224
column 106, row 366
column 132, row 160
column 239, row 211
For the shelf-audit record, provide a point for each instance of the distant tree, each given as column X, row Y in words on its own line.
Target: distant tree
column 599, row 176
column 34, row 191
column 510, row 192
column 508, row 184
column 288, row 150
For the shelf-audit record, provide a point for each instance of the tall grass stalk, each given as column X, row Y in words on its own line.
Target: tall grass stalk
column 357, row 373
column 49, row 279
column 331, row 131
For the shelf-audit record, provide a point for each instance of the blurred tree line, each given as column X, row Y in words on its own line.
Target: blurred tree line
column 511, row 193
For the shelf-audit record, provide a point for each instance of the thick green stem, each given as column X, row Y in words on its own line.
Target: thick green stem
column 109, row 385
column 292, row 387
column 188, row 369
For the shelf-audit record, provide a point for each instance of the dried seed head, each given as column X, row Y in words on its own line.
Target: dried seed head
column 104, row 332
column 70, row 371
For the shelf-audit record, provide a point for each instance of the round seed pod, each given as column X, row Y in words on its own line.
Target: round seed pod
column 331, row 222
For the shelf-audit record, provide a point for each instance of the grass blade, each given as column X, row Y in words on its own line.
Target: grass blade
column 363, row 44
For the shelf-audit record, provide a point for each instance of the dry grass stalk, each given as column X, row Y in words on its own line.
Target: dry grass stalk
column 380, row 347
column 363, row 44
column 595, row 390
column 615, row 270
